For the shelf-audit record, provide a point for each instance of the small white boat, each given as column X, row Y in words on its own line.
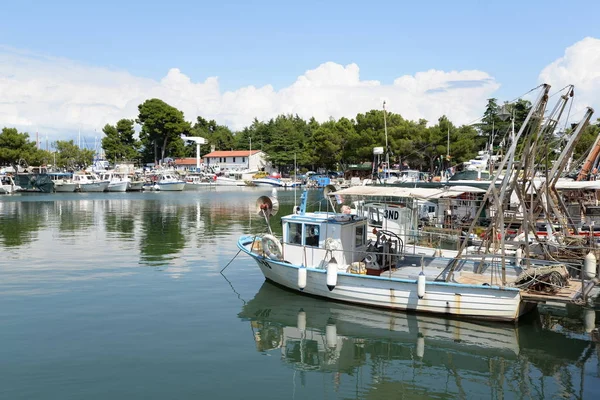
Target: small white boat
column 200, row 180
column 169, row 182
column 63, row 182
column 118, row 182
column 274, row 182
column 89, row 182
column 135, row 184
column 227, row 181
column 7, row 185
column 327, row 254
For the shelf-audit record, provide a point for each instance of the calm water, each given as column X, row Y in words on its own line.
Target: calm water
column 120, row 296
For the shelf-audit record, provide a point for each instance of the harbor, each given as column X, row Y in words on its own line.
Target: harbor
column 106, row 295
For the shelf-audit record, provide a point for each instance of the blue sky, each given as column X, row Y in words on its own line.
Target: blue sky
column 273, row 43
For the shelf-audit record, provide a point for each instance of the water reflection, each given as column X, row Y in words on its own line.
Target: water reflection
column 154, row 228
column 397, row 353
column 19, row 222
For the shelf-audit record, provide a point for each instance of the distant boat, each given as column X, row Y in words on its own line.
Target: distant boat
column 118, row 182
column 89, row 182
column 36, row 179
column 7, row 184
column 199, row 180
column 165, row 181
column 273, row 182
column 227, row 181
column 63, row 182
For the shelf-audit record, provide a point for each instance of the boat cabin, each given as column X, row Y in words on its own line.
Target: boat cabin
column 310, row 236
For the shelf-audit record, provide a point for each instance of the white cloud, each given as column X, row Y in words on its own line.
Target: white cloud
column 579, row 66
column 56, row 95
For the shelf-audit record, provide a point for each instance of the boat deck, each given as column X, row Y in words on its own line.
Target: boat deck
column 564, row 295
column 471, row 278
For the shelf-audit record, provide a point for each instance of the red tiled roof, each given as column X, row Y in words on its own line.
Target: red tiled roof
column 233, row 153
column 187, row 161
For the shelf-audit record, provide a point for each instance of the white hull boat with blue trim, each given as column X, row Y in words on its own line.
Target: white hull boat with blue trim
column 274, row 182
column 327, row 254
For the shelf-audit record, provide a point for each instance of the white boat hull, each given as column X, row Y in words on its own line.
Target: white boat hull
column 117, row 186
column 7, row 189
column 135, row 186
column 221, row 181
column 171, row 186
column 64, row 187
column 198, row 185
column 461, row 300
column 93, row 187
column 267, row 182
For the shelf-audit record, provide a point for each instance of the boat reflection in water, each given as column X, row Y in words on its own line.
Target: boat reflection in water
column 386, row 354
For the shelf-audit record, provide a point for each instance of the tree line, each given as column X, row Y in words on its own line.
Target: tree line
column 289, row 140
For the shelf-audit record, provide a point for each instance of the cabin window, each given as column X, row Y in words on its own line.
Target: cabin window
column 311, row 235
column 294, row 233
column 431, row 209
column 233, row 159
column 360, row 236
column 243, row 159
column 375, row 217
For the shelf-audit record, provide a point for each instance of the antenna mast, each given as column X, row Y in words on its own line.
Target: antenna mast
column 387, row 153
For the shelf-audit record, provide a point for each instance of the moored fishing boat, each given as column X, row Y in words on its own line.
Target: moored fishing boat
column 34, row 179
column 118, row 182
column 274, row 182
column 89, row 182
column 63, row 182
column 169, row 182
column 327, row 254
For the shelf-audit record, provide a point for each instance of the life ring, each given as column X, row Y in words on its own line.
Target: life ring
column 272, row 247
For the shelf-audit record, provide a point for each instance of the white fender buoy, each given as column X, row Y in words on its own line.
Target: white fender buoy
column 589, row 319
column 301, row 320
column 302, row 278
column 421, row 285
column 420, row 346
column 331, row 335
column 589, row 265
column 518, row 256
column 332, row 270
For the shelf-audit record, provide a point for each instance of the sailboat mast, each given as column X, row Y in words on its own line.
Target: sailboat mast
column 448, row 146
column 387, row 153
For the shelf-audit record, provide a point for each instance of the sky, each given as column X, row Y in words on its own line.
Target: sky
column 68, row 66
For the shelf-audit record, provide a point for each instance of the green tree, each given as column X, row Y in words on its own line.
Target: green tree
column 162, row 127
column 15, row 146
column 218, row 136
column 586, row 141
column 120, row 142
column 288, row 142
column 326, row 144
column 68, row 155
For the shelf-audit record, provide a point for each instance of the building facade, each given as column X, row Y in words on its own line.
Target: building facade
column 246, row 161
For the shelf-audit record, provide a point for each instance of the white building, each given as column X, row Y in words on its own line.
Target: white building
column 238, row 161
